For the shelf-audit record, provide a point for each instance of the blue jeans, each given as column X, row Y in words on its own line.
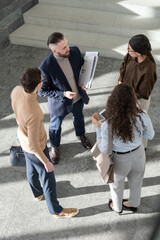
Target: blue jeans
column 56, row 122
column 35, row 170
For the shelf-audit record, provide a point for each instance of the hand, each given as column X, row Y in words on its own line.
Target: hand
column 95, row 120
column 83, row 87
column 69, row 94
column 95, row 115
column 49, row 167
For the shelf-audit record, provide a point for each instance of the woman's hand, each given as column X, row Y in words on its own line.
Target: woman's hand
column 95, row 120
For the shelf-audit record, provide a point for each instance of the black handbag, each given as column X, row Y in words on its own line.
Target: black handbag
column 17, row 157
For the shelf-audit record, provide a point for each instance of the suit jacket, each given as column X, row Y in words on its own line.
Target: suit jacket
column 55, row 82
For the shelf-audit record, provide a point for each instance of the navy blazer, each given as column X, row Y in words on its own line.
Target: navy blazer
column 55, row 83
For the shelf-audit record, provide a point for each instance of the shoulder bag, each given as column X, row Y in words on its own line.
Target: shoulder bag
column 104, row 161
column 17, row 157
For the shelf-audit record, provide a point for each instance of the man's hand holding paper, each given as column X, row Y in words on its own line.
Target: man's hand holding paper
column 88, row 70
column 83, row 87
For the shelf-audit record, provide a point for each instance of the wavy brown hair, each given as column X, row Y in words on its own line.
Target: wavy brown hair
column 122, row 109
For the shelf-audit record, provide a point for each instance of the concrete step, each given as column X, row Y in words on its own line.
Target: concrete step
column 85, row 20
column 108, row 45
column 7, row 9
column 3, row 3
column 100, row 25
column 140, row 7
column 11, row 17
column 11, row 6
column 10, row 20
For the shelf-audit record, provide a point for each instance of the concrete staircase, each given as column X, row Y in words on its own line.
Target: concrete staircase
column 103, row 25
column 11, row 17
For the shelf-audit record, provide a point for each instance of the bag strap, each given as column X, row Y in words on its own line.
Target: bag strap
column 109, row 139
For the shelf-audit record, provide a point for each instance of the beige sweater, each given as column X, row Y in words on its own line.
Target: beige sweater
column 29, row 117
column 68, row 72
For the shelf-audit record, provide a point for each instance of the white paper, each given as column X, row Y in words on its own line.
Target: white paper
column 88, row 69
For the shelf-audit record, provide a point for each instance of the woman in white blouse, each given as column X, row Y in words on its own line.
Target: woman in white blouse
column 129, row 124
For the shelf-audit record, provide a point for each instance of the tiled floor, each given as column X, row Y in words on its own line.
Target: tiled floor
column 78, row 181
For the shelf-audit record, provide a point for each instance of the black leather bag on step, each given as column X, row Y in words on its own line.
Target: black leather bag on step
column 17, row 157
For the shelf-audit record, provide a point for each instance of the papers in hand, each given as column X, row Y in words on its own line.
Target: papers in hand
column 88, row 69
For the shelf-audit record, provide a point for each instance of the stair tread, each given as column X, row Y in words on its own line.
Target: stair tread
column 148, row 3
column 90, row 29
column 76, row 37
column 86, row 16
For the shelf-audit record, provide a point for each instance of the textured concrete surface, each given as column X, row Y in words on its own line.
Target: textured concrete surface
column 11, row 17
column 78, row 181
column 115, row 23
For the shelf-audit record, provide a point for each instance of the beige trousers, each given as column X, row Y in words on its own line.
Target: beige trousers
column 145, row 105
column 131, row 166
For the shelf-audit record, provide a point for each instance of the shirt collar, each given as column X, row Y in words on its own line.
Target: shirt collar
column 59, row 59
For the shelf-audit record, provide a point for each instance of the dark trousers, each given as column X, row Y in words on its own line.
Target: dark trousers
column 56, row 122
column 35, row 171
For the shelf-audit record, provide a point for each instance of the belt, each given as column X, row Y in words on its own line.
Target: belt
column 126, row 152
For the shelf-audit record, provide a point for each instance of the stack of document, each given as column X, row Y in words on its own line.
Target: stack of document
column 88, row 69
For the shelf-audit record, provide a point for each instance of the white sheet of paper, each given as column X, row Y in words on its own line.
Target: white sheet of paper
column 88, row 69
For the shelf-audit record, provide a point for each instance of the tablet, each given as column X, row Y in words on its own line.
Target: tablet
column 103, row 113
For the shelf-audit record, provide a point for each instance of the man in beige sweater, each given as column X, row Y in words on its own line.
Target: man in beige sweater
column 32, row 137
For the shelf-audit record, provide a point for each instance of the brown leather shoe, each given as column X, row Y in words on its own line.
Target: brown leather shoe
column 67, row 213
column 39, row 198
column 54, row 155
column 85, row 142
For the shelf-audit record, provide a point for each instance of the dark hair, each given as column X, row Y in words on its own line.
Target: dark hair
column 140, row 43
column 122, row 109
column 30, row 79
column 55, row 38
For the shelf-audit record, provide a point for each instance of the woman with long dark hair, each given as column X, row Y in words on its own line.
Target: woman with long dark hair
column 129, row 123
column 139, row 70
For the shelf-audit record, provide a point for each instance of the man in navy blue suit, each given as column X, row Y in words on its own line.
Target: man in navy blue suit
column 60, row 71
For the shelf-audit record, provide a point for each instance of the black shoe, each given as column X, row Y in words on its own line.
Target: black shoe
column 133, row 209
column 109, row 204
column 54, row 156
column 85, row 142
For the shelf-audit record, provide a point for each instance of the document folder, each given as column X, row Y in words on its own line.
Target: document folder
column 88, row 69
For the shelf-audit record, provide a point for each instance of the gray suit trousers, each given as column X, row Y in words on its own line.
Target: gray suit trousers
column 131, row 166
